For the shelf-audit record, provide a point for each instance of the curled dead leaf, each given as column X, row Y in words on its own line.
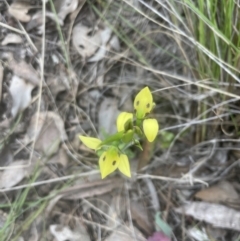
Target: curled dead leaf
column 139, row 215
column 12, row 38
column 23, row 70
column 19, row 10
column 48, row 129
column 37, row 21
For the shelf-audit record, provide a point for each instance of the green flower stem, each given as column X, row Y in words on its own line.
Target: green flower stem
column 115, row 137
column 139, row 122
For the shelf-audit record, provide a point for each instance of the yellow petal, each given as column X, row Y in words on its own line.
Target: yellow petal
column 90, row 142
column 150, row 129
column 143, row 103
column 124, row 166
column 122, row 119
column 108, row 162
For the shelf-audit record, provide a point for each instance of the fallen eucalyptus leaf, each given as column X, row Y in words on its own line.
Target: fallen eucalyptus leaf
column 221, row 192
column 14, row 174
column 215, row 214
column 23, row 70
column 19, row 10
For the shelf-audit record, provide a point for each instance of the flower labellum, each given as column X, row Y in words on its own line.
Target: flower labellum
column 150, row 129
column 143, row 103
column 111, row 160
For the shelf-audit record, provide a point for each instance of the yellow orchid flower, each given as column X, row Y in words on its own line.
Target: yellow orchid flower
column 143, row 103
column 150, row 129
column 122, row 119
column 90, row 142
column 112, row 160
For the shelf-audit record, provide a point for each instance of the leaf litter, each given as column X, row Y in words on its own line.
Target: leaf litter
column 108, row 57
column 19, row 10
column 215, row 214
column 12, row 38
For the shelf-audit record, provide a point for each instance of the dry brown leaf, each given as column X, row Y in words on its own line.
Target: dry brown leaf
column 19, row 10
column 20, row 91
column 221, row 192
column 61, row 158
column 58, row 83
column 215, row 214
column 65, row 233
column 91, row 189
column 107, row 116
column 14, row 174
column 85, row 43
column 23, row 70
column 12, row 38
column 49, row 132
column 139, row 215
column 125, row 234
column 64, row 7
